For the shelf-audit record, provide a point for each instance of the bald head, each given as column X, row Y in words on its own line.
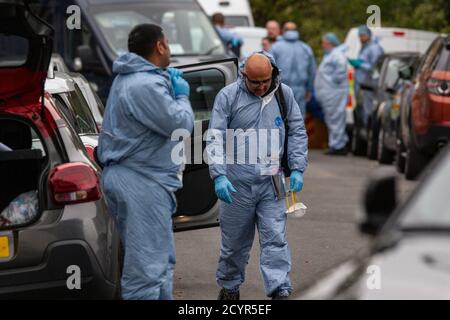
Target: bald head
column 258, row 72
column 258, row 65
column 289, row 26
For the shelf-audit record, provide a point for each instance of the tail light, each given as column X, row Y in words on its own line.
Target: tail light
column 90, row 151
column 439, row 87
column 74, row 183
column 399, row 33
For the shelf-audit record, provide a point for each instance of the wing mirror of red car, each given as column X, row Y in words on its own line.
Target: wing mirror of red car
column 380, row 201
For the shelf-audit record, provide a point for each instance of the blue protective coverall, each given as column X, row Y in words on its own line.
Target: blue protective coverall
column 297, row 65
column 140, row 178
column 230, row 39
column 369, row 55
column 255, row 203
column 332, row 90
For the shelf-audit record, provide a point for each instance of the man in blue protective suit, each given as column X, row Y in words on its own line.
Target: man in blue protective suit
column 370, row 52
column 332, row 90
column 248, row 108
column 146, row 104
column 230, row 39
column 297, row 64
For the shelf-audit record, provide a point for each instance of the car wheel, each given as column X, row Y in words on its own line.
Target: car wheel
column 385, row 156
column 400, row 157
column 372, row 143
column 358, row 145
column 415, row 162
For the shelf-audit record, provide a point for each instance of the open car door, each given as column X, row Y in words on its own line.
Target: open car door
column 198, row 206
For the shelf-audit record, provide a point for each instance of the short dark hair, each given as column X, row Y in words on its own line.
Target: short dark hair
column 143, row 38
column 218, row 18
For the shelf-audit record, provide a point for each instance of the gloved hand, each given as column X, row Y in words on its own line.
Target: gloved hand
column 224, row 188
column 235, row 42
column 180, row 87
column 175, row 72
column 356, row 63
column 296, row 181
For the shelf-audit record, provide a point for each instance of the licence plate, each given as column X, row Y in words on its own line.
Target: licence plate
column 6, row 247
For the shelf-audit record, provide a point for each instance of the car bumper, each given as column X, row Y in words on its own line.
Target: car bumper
column 65, row 265
column 436, row 137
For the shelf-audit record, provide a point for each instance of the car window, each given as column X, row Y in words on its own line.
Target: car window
column 393, row 68
column 205, row 85
column 187, row 27
column 13, row 50
column 82, row 113
column 430, row 56
column 66, row 111
column 443, row 61
column 237, row 21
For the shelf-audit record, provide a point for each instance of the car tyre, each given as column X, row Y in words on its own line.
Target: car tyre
column 385, row 156
column 359, row 146
column 372, row 142
column 415, row 162
column 400, row 160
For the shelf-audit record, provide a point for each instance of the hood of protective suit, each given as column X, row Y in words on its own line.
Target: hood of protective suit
column 276, row 80
column 291, row 36
column 131, row 63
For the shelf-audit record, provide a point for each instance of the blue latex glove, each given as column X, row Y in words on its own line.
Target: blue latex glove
column 235, row 42
column 356, row 63
column 175, row 72
column 180, row 87
column 224, row 188
column 296, row 181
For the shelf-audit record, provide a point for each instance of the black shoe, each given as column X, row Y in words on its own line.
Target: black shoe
column 228, row 295
column 340, row 152
column 281, row 295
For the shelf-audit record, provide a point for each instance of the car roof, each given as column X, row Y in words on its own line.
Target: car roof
column 61, row 83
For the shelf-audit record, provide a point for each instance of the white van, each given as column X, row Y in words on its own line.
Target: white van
column 391, row 40
column 238, row 13
column 252, row 39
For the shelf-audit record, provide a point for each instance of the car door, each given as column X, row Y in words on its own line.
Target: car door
column 197, row 202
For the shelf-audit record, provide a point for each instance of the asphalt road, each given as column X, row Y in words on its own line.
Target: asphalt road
column 325, row 237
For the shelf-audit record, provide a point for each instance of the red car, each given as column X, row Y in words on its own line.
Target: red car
column 425, row 120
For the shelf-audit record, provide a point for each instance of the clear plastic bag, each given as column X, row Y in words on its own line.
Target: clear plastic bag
column 21, row 210
column 295, row 209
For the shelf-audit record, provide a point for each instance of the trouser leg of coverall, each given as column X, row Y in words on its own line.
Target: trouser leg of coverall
column 336, row 120
column 143, row 212
column 237, row 223
column 275, row 260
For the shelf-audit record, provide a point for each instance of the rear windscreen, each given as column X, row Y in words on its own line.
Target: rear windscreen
column 13, row 50
column 443, row 63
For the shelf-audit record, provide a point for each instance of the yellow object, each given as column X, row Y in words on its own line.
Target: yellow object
column 4, row 247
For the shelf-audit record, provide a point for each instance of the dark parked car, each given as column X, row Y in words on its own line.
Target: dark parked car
column 381, row 84
column 410, row 257
column 425, row 113
column 105, row 26
column 390, row 114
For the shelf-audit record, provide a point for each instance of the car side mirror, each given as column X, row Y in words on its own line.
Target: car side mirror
column 367, row 86
column 87, row 60
column 391, row 90
column 380, row 201
column 405, row 73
